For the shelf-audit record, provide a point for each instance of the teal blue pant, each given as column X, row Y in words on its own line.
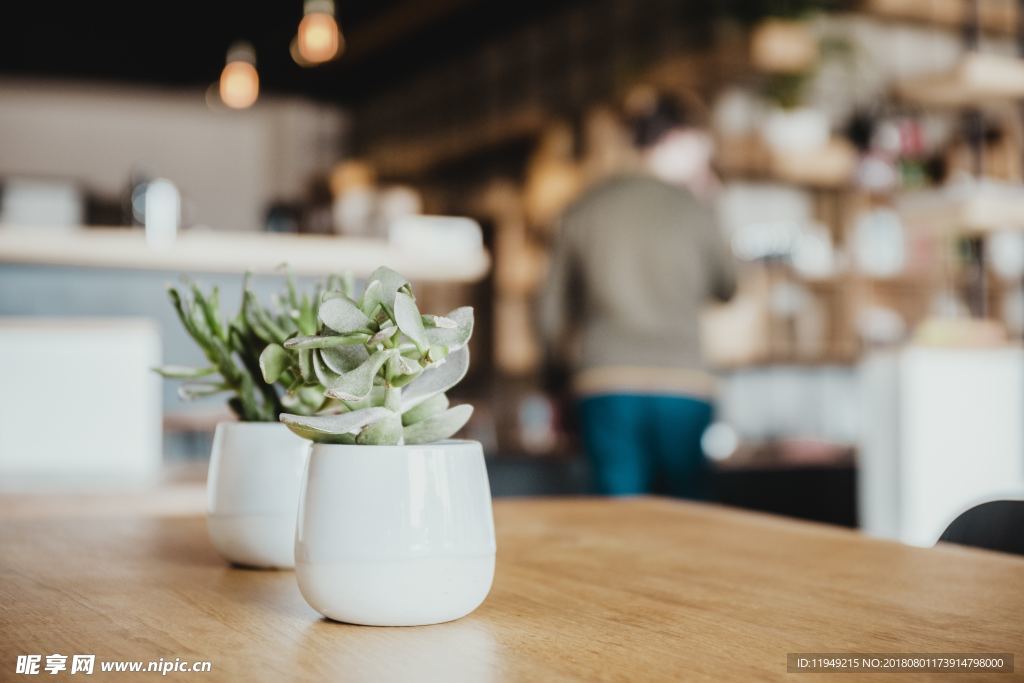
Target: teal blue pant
column 640, row 444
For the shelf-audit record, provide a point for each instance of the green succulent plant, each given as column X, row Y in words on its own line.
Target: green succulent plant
column 235, row 348
column 379, row 367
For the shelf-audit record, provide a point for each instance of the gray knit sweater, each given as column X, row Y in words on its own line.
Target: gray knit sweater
column 633, row 263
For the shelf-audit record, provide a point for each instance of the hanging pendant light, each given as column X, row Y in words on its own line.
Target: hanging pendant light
column 319, row 39
column 239, row 81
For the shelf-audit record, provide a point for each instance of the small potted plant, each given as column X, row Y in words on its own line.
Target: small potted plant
column 784, row 47
column 256, row 464
column 395, row 525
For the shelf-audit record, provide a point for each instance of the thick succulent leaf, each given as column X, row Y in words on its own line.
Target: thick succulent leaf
column 432, row 406
column 260, row 321
column 439, row 321
column 238, row 336
column 409, row 321
column 348, row 284
column 320, row 437
column 291, row 401
column 355, row 385
column 384, row 334
column 384, row 432
column 344, row 358
column 371, row 298
column 327, row 342
column 247, row 394
column 306, row 365
column 373, row 399
column 390, row 279
column 288, row 325
column 306, row 316
column 324, row 374
column 311, row 397
column 210, row 311
column 384, row 293
column 436, row 380
column 194, row 390
column 331, row 406
column 183, row 372
column 344, row 283
column 307, row 401
column 331, row 294
column 437, row 427
column 341, row 315
column 273, row 361
column 402, row 381
column 401, row 368
column 436, row 355
column 322, row 427
column 456, row 337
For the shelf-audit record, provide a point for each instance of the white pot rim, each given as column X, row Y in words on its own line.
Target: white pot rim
column 361, row 447
column 240, row 424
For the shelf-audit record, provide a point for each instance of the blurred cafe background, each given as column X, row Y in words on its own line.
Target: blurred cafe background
column 868, row 157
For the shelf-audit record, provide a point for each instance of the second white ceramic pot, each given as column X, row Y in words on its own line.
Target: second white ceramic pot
column 395, row 535
column 252, row 492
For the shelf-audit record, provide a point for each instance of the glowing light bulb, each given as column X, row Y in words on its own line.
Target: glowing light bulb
column 239, row 81
column 293, row 50
column 319, row 39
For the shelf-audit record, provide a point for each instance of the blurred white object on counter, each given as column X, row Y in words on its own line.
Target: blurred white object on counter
column 737, row 112
column 1006, row 252
column 31, row 203
column 813, row 254
column 802, row 129
column 763, row 220
column 447, row 235
column 879, row 243
column 966, row 205
column 399, row 201
column 80, row 405
column 162, row 212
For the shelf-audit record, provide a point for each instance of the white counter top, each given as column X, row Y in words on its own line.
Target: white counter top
column 234, row 252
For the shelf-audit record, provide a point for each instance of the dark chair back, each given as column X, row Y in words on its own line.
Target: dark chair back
column 996, row 525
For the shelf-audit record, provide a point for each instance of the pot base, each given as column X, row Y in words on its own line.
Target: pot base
column 401, row 592
column 260, row 541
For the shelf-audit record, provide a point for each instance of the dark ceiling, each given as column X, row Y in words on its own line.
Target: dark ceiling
column 183, row 42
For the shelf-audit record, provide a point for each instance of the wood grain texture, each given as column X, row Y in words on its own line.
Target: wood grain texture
column 623, row 590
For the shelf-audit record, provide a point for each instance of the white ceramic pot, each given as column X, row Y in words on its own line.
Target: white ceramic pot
column 252, row 492
column 395, row 535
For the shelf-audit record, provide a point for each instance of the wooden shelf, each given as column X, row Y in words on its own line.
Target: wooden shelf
column 830, row 168
column 899, row 281
column 969, row 210
column 995, row 16
column 979, row 79
column 234, row 252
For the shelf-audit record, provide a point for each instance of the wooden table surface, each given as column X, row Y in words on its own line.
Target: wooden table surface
column 588, row 589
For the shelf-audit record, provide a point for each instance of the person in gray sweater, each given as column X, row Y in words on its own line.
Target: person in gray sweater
column 635, row 259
